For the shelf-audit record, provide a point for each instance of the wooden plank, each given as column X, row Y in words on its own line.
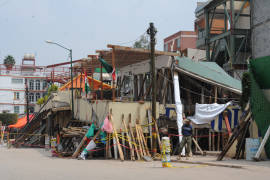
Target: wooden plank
column 133, row 138
column 116, row 138
column 132, row 155
column 266, row 136
column 141, row 150
column 197, row 146
column 144, row 141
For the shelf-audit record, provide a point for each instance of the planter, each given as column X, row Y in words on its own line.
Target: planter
column 9, row 66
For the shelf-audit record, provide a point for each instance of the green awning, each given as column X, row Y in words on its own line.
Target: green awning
column 209, row 72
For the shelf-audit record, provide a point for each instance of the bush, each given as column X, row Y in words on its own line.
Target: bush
column 40, row 101
column 52, row 88
column 8, row 118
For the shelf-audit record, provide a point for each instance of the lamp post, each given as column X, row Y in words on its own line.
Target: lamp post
column 71, row 74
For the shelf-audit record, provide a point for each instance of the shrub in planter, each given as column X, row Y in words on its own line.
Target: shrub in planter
column 9, row 62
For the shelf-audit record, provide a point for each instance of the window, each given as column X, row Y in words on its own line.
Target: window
column 44, row 85
column 17, row 81
column 178, row 42
column 17, row 109
column 31, row 97
column 37, row 84
column 31, row 85
column 37, row 96
column 16, row 95
column 166, row 47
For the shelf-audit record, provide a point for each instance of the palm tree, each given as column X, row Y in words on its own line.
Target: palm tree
column 9, row 61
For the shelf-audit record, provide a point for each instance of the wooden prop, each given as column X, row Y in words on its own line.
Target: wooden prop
column 227, row 124
column 197, row 146
column 233, row 138
column 142, row 152
column 78, row 149
column 107, row 146
column 133, row 138
column 144, row 141
column 150, row 126
column 158, row 137
column 266, row 136
column 116, row 138
column 132, row 155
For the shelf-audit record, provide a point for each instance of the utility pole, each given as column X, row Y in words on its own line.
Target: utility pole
column 152, row 32
column 27, row 100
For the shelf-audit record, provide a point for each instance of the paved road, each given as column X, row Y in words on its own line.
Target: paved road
column 36, row 164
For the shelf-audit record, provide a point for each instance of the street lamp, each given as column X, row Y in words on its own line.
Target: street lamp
column 71, row 75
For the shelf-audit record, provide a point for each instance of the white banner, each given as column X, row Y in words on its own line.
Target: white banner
column 205, row 113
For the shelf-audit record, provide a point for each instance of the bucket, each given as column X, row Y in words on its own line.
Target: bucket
column 252, row 146
column 166, row 150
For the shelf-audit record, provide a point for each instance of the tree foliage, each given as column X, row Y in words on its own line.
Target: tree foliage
column 143, row 43
column 8, row 118
column 9, row 60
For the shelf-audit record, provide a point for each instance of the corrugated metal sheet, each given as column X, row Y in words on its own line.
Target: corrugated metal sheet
column 209, row 71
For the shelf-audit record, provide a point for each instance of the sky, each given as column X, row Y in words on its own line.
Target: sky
column 85, row 25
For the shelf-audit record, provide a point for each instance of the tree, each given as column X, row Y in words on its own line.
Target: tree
column 9, row 61
column 143, row 43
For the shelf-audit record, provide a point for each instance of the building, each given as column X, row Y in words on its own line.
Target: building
column 223, row 27
column 180, row 41
column 14, row 81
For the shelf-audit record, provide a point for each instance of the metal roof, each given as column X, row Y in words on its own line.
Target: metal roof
column 209, row 72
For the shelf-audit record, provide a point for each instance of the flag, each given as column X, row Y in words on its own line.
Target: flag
column 106, row 66
column 87, row 88
column 113, row 74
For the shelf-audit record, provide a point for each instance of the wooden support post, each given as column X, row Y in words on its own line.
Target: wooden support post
column 101, row 81
column 123, row 138
column 113, row 64
column 209, row 140
column 218, row 142
column 213, row 141
column 196, row 137
column 227, row 123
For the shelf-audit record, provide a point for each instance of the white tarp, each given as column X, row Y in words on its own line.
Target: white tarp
column 205, row 113
column 178, row 106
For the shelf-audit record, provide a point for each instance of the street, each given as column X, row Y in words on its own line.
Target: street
column 32, row 164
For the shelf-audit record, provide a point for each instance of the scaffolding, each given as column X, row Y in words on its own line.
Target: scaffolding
column 223, row 28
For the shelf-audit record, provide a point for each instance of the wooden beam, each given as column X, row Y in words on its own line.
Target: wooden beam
column 139, row 50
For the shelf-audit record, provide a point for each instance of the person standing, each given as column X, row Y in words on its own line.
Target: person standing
column 187, row 137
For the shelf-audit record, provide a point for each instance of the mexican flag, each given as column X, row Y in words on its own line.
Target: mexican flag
column 87, row 87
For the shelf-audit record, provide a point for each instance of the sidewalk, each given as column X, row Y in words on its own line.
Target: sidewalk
column 226, row 162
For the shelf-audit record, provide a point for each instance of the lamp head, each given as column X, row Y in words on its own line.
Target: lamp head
column 49, row 41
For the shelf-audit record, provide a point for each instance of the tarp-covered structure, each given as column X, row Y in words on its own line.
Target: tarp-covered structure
column 79, row 83
column 21, row 122
column 259, row 91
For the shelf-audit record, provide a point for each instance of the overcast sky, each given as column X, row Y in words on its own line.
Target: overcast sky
column 85, row 25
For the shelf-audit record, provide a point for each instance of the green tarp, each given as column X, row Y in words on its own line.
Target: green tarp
column 260, row 106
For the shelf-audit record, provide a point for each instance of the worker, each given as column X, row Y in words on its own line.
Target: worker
column 187, row 137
